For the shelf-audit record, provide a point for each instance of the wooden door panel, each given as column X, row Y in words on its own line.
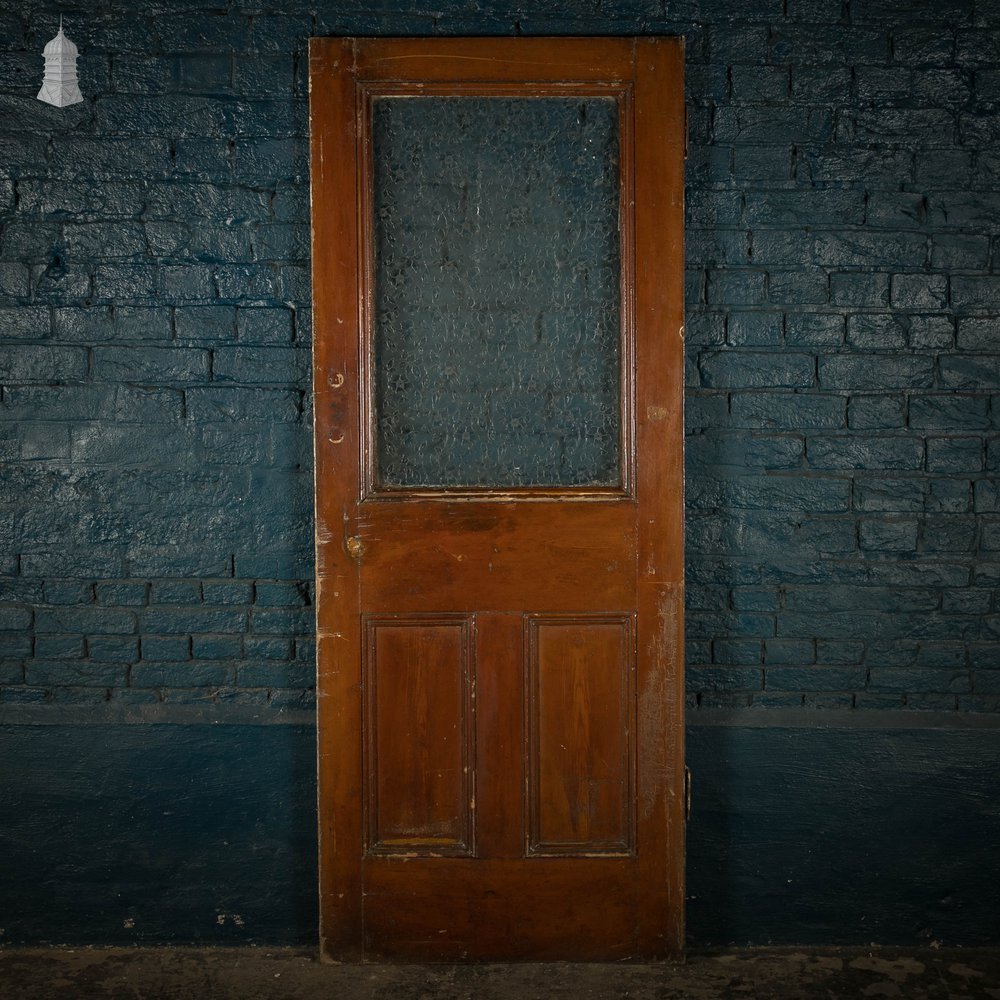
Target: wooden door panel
column 465, row 556
column 419, row 725
column 579, row 721
column 485, row 910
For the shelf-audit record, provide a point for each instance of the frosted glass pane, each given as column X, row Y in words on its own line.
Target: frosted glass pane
column 497, row 297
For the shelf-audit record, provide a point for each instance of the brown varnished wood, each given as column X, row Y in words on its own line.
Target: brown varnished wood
column 419, row 731
column 579, row 721
column 495, row 60
column 337, row 442
column 503, row 564
column 423, row 555
column 461, row 909
column 659, row 304
column 499, row 721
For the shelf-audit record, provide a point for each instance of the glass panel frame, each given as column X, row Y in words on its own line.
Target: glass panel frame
column 371, row 489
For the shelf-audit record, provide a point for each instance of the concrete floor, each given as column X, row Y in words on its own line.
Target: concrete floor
column 249, row 974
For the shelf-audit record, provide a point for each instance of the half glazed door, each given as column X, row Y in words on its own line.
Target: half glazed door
column 497, row 283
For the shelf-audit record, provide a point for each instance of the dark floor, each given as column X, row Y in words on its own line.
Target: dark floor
column 248, row 974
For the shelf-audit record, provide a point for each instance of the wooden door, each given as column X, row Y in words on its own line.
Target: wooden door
column 497, row 285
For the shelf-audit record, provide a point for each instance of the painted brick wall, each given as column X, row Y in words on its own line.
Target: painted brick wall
column 844, row 379
column 844, row 443
column 843, row 409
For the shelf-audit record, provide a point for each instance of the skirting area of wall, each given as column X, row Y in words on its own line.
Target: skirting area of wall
column 201, row 829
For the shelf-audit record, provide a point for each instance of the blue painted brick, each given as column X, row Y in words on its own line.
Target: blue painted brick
column 927, row 127
column 745, row 370
column 978, row 334
column 68, row 592
column 974, row 293
column 213, row 32
column 86, row 620
column 193, row 282
column 838, row 653
column 799, row 287
column 24, row 323
column 165, row 647
column 950, row 412
column 970, row 371
column 274, row 365
column 876, row 333
column 31, row 363
column 118, row 649
column 788, row 651
column 987, row 497
column 20, row 591
column 282, row 621
column 948, row 496
column 757, row 84
column 859, row 373
column 931, row 332
column 788, row 411
column 814, row 330
column 883, row 83
column 876, row 453
column 275, row 675
column 227, row 592
column 960, row 251
column 741, row 652
column 884, row 535
column 50, row 647
column 127, row 444
column 279, row 595
column 795, row 678
column 154, row 365
column 762, row 163
column 826, row 207
column 199, row 323
column 922, row 679
column 954, row 454
column 216, row 647
column 760, row 125
column 724, row 679
column 245, row 282
column 257, row 647
column 11, row 672
column 45, row 441
column 228, row 404
column 859, row 291
column 877, row 412
column 917, row 574
column 736, row 287
column 967, row 602
column 788, row 246
column 283, row 242
column 264, row 326
column 703, row 410
column 73, row 673
column 181, row 674
column 267, row 160
column 200, row 619
column 259, row 75
column 175, row 592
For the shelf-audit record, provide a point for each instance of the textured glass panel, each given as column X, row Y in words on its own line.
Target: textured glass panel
column 497, row 297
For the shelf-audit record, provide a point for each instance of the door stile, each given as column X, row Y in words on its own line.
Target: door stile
column 335, row 384
column 659, row 298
